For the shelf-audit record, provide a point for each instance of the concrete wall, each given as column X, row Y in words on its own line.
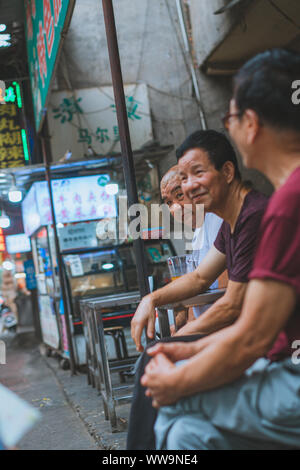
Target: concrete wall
column 208, row 30
column 151, row 50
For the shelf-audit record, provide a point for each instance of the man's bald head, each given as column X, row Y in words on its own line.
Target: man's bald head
column 170, row 178
column 172, row 195
column 170, row 186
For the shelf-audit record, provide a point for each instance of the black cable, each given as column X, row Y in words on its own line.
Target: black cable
column 283, row 13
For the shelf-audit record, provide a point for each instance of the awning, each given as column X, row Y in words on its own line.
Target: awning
column 26, row 175
column 264, row 24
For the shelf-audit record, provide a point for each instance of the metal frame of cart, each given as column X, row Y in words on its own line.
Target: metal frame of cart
column 98, row 365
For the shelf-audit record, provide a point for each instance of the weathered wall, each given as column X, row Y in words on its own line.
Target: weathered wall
column 208, row 30
column 151, row 50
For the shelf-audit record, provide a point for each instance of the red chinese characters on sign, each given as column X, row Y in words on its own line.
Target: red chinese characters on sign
column 78, row 213
column 33, row 8
column 57, row 8
column 92, row 196
column 41, row 50
column 61, row 199
column 29, row 21
column 64, row 215
column 93, row 212
column 49, row 26
column 77, row 198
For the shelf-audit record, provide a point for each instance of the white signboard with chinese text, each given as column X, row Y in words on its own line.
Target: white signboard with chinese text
column 78, row 236
column 84, row 121
column 75, row 200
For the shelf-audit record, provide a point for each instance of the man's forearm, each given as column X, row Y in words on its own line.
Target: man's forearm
column 218, row 362
column 186, row 286
column 218, row 316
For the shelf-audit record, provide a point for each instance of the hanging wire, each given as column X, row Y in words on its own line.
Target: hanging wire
column 282, row 13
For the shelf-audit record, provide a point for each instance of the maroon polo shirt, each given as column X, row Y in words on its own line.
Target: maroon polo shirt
column 239, row 246
column 278, row 255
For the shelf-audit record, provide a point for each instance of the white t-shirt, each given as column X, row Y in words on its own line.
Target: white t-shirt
column 203, row 240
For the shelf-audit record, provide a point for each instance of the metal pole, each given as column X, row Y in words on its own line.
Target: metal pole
column 127, row 156
column 60, row 265
column 190, row 59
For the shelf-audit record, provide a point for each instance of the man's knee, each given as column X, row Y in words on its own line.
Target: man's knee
column 183, row 436
column 189, row 433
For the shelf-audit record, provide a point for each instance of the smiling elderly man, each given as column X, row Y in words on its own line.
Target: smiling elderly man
column 209, row 176
column 219, row 400
column 142, row 416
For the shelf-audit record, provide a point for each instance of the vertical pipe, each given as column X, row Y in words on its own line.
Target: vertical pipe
column 127, row 156
column 60, row 265
column 190, row 58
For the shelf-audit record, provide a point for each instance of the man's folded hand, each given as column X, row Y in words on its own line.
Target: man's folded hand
column 161, row 381
column 177, row 351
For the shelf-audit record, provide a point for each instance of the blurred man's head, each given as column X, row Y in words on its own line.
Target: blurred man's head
column 262, row 109
column 208, row 167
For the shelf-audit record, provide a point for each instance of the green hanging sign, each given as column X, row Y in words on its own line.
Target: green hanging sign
column 46, row 24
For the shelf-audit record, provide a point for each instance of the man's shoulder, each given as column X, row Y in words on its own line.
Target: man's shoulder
column 255, row 201
column 253, row 210
column 285, row 202
column 254, row 207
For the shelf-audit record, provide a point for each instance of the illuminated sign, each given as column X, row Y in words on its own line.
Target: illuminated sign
column 2, row 92
column 75, row 200
column 5, row 38
column 13, row 139
column 46, row 22
column 19, row 243
column 2, row 241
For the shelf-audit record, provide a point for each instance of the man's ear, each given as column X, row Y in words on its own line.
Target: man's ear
column 252, row 125
column 228, row 171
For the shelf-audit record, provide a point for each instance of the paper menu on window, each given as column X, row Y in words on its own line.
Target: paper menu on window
column 75, row 265
column 16, row 417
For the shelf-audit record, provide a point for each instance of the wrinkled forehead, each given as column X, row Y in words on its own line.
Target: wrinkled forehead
column 192, row 158
column 170, row 187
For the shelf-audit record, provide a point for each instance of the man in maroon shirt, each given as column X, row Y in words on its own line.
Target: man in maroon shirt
column 209, row 176
column 215, row 399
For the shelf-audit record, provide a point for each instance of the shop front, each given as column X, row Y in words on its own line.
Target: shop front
column 95, row 260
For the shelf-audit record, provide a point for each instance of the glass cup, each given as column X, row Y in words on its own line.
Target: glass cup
column 179, row 265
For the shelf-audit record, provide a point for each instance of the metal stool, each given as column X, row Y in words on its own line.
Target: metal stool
column 117, row 333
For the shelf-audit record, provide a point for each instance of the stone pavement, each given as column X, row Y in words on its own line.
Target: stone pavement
column 72, row 411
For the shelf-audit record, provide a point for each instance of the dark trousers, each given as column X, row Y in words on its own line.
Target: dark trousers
column 142, row 414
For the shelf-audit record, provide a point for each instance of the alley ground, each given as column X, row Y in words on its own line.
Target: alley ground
column 72, row 411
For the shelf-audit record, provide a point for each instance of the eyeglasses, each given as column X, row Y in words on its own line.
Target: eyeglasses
column 226, row 118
